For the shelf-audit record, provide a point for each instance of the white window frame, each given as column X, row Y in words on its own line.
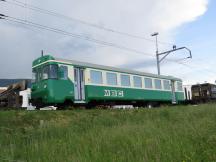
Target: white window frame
column 156, row 79
column 129, row 80
column 177, row 86
column 141, row 81
column 151, row 82
column 102, row 76
column 110, row 72
column 169, row 85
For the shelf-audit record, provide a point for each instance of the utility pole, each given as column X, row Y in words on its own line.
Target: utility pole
column 157, row 57
column 166, row 53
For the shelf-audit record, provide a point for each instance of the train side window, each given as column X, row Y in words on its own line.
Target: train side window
column 96, row 77
column 179, row 86
column 148, row 83
column 111, row 78
column 37, row 74
column 137, row 81
column 125, row 80
column 166, row 85
column 158, row 84
column 63, row 72
column 34, row 75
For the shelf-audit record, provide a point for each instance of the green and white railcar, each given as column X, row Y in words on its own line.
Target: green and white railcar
column 59, row 81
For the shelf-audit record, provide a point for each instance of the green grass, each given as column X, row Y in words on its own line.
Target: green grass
column 181, row 134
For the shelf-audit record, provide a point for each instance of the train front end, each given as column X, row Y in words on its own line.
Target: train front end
column 50, row 84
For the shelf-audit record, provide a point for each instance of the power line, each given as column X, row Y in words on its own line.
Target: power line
column 28, row 23
column 87, row 38
column 59, row 31
column 53, row 13
column 193, row 67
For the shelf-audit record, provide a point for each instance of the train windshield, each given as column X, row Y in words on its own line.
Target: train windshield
column 47, row 72
column 34, row 75
column 50, row 72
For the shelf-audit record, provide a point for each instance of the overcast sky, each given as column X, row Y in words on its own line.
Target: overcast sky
column 188, row 23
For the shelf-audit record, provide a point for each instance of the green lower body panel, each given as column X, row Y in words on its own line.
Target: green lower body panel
column 180, row 96
column 59, row 91
column 53, row 91
column 129, row 94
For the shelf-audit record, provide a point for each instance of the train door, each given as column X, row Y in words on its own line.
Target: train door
column 79, row 84
column 173, row 92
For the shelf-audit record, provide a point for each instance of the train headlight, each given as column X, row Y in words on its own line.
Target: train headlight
column 45, row 86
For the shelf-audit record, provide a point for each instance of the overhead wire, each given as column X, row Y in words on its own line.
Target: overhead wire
column 84, row 37
column 87, row 38
column 53, row 13
column 38, row 9
column 197, row 68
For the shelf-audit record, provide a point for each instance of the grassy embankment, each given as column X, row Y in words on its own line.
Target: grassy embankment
column 166, row 134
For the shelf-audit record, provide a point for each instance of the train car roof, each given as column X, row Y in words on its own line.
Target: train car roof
column 48, row 58
column 109, row 68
